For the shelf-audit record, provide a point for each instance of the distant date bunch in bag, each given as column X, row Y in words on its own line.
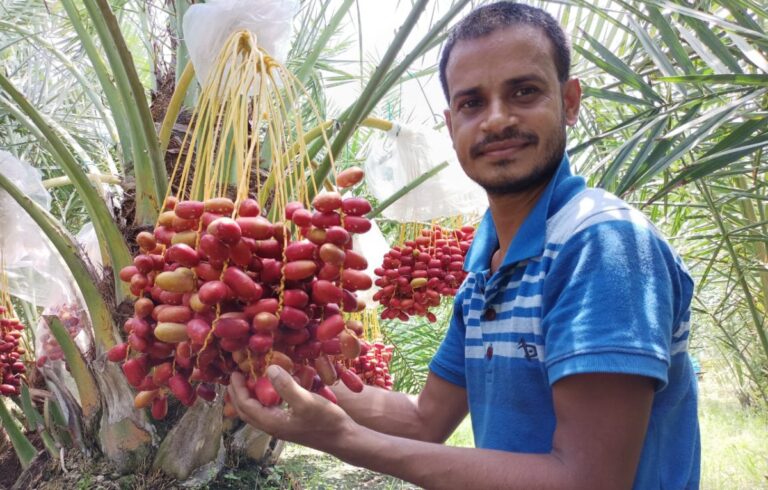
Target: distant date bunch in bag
column 12, row 366
column 48, row 349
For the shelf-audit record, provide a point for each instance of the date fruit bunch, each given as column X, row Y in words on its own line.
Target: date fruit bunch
column 12, row 367
column 372, row 366
column 49, row 348
column 220, row 289
column 236, row 285
column 415, row 276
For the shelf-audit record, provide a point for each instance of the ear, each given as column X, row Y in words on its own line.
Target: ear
column 447, row 114
column 571, row 100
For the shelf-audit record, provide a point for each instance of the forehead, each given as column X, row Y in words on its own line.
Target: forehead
column 504, row 54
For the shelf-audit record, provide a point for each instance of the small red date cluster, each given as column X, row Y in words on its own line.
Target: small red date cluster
column 416, row 276
column 218, row 294
column 12, row 367
column 373, row 365
column 49, row 349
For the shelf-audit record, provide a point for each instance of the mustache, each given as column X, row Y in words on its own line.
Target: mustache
column 509, row 133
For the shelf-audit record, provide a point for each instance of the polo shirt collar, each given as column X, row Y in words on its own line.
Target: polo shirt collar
column 530, row 239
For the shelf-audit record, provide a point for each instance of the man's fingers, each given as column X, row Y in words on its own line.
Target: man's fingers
column 250, row 410
column 285, row 385
column 237, row 385
column 238, row 390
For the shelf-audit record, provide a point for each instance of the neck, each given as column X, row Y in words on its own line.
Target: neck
column 508, row 212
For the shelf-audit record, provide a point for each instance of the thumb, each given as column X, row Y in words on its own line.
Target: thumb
column 285, row 385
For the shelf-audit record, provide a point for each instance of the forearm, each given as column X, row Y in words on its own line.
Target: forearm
column 432, row 465
column 593, row 446
column 601, row 425
column 384, row 411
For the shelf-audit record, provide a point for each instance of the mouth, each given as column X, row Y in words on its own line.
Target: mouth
column 503, row 149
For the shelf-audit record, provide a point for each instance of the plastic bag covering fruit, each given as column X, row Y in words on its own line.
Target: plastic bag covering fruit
column 33, row 269
column 373, row 246
column 89, row 242
column 208, row 25
column 405, row 154
column 12, row 366
column 75, row 321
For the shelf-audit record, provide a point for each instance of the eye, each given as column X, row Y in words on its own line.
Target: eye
column 469, row 104
column 525, row 92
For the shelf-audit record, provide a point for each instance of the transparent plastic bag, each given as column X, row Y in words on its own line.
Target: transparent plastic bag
column 407, row 153
column 372, row 245
column 26, row 177
column 207, row 26
column 49, row 356
column 73, row 318
column 89, row 244
column 35, row 273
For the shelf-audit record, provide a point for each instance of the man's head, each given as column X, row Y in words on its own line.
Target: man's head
column 505, row 73
column 484, row 20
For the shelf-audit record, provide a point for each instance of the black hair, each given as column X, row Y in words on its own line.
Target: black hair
column 487, row 19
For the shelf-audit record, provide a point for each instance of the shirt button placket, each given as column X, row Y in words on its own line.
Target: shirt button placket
column 489, row 315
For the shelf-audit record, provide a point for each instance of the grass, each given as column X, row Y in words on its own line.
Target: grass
column 312, row 470
column 734, row 440
column 462, row 436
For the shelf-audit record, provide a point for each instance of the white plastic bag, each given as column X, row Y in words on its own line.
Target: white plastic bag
column 49, row 356
column 89, row 243
column 75, row 321
column 34, row 272
column 26, row 177
column 407, row 153
column 372, row 245
column 207, row 26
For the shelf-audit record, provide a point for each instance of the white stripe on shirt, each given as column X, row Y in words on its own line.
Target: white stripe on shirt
column 503, row 349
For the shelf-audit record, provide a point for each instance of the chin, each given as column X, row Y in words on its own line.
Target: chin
column 506, row 184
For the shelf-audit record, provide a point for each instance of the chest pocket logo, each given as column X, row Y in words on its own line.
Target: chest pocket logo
column 529, row 350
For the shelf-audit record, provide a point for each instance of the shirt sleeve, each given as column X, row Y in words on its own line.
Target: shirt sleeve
column 613, row 295
column 448, row 362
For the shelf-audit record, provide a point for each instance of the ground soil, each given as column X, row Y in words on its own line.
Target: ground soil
column 9, row 463
column 80, row 471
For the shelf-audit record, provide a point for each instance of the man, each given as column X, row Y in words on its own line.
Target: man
column 568, row 340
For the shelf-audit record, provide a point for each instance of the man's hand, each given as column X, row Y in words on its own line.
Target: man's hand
column 309, row 419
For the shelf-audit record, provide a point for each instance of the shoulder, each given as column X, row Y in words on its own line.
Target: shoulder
column 596, row 220
column 591, row 207
column 463, row 301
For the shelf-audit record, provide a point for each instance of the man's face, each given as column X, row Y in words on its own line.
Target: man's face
column 507, row 110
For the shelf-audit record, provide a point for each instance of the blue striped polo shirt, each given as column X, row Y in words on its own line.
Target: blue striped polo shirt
column 587, row 285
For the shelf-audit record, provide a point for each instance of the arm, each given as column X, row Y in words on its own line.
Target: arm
column 431, row 416
column 601, row 424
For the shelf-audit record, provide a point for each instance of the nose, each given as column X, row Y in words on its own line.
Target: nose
column 498, row 117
